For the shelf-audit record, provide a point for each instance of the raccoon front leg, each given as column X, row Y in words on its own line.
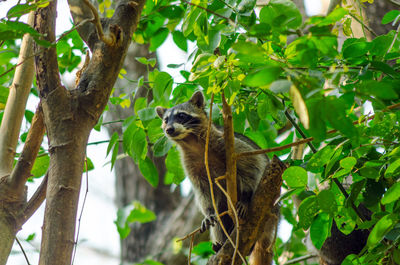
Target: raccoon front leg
column 245, row 196
column 210, row 219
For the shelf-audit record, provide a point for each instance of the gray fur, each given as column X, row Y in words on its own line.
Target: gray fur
column 190, row 135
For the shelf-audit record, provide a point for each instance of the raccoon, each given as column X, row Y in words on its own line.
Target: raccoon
column 186, row 124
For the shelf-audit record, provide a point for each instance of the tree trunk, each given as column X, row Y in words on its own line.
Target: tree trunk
column 374, row 14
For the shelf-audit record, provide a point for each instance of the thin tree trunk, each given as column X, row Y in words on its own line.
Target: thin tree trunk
column 10, row 200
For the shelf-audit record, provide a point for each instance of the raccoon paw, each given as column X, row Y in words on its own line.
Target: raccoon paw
column 209, row 220
column 242, row 209
column 216, row 246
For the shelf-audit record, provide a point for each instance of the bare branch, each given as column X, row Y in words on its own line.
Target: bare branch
column 34, row 202
column 16, row 102
column 108, row 39
column 230, row 152
column 22, row 169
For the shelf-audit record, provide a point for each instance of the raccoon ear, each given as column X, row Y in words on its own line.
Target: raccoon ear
column 197, row 99
column 160, row 111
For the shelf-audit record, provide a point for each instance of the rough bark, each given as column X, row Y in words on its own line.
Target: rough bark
column 70, row 115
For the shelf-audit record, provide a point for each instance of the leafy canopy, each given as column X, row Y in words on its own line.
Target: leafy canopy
column 270, row 63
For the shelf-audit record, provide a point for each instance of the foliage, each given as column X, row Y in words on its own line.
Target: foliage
column 268, row 62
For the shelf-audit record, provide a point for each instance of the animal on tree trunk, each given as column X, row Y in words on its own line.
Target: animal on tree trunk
column 186, row 124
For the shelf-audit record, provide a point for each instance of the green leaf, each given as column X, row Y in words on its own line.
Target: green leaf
column 144, row 60
column 171, row 12
column 317, row 124
column 180, row 40
column 295, row 177
column 134, row 212
column 175, row 172
column 162, row 146
column 162, row 86
column 321, row 158
column 30, row 237
column 262, row 76
column 345, row 220
column 319, row 229
column 203, row 249
column 140, row 103
column 307, row 210
column 392, row 168
column 280, row 86
column 369, row 172
column 327, row 202
column 348, row 162
column 19, row 10
column 281, row 14
column 334, row 17
column 356, row 49
column 334, row 111
column 140, row 214
column 385, row 91
column 149, row 171
column 382, row 227
column 113, row 140
column 146, row 114
column 88, row 165
column 114, row 155
column 392, row 194
column 40, row 166
column 390, row 16
column 158, row 38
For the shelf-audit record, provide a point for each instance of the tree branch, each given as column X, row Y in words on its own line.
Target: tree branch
column 260, row 213
column 81, row 12
column 107, row 39
column 22, row 169
column 34, row 202
column 16, row 102
column 229, row 138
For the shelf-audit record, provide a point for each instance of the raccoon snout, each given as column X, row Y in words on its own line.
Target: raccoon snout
column 170, row 130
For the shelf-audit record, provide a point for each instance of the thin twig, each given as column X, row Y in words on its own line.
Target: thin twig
column 81, row 213
column 209, row 175
column 23, row 251
column 230, row 21
column 302, row 258
column 190, row 248
column 394, row 2
column 394, row 39
column 197, row 230
column 364, row 25
column 236, row 247
column 297, row 127
column 309, row 139
column 107, row 39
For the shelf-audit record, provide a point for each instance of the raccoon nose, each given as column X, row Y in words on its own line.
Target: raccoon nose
column 170, row 130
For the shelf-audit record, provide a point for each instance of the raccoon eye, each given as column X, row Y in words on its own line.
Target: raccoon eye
column 182, row 116
column 166, row 120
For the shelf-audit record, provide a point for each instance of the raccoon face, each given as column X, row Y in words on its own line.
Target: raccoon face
column 184, row 119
